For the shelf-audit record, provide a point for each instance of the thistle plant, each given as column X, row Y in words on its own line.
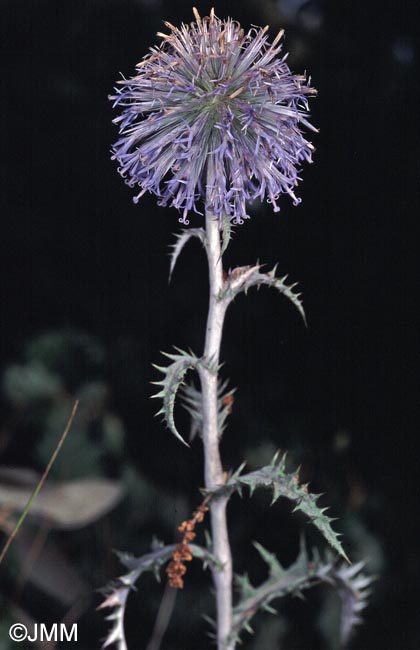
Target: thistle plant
column 212, row 120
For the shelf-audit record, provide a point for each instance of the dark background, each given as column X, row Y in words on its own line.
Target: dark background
column 76, row 253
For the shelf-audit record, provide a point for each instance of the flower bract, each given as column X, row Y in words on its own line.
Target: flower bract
column 213, row 116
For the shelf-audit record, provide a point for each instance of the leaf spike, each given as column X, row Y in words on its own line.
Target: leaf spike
column 180, row 350
column 239, row 470
column 160, row 368
column 170, row 356
column 282, row 463
column 275, row 457
column 248, row 627
column 158, row 383
column 269, row 558
column 178, row 435
column 156, row 573
column 270, row 610
column 161, row 394
column 296, row 474
column 276, row 494
column 298, row 594
column 209, row 620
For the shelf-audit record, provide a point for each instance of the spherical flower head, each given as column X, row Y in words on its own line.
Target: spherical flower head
column 213, row 115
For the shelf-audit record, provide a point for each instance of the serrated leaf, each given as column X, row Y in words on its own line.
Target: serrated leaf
column 353, row 589
column 244, row 277
column 283, row 484
column 192, row 402
column 274, row 566
column 181, row 240
column 281, row 582
column 227, row 231
column 173, row 377
column 245, row 588
column 350, row 584
column 117, row 592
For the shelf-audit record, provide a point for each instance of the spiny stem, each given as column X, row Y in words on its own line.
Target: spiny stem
column 214, row 477
column 40, row 484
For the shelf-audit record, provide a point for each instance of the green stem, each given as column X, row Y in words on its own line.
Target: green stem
column 40, row 484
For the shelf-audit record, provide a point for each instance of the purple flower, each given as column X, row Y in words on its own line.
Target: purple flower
column 214, row 115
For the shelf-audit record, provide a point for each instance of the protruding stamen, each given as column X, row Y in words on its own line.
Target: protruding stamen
column 278, row 38
column 197, row 17
column 170, row 26
column 237, row 92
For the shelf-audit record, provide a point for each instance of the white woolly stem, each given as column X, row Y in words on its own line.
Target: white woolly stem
column 214, row 477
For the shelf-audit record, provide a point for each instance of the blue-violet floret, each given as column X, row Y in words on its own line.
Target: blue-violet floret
column 213, row 115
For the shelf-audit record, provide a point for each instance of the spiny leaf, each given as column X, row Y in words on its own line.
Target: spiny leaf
column 283, row 484
column 353, row 589
column 245, row 588
column 180, row 242
column 351, row 586
column 192, row 402
column 227, row 231
column 244, row 277
column 173, row 378
column 116, row 593
column 281, row 582
column 274, row 566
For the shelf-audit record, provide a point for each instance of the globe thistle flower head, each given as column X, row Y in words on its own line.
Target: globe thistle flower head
column 213, row 115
